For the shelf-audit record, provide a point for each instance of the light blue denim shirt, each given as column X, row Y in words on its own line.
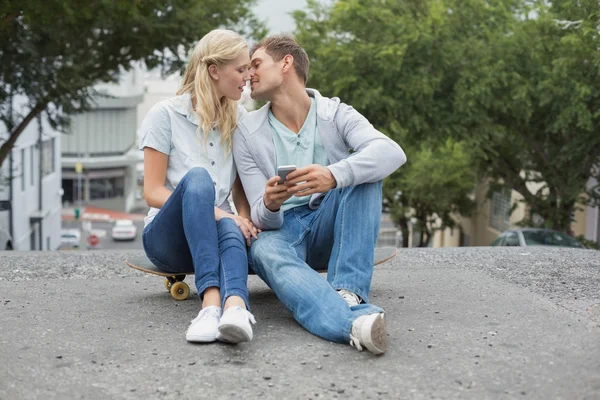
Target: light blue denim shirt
column 171, row 127
column 299, row 149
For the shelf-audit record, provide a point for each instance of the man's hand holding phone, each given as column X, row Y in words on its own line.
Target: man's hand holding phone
column 276, row 191
column 311, row 179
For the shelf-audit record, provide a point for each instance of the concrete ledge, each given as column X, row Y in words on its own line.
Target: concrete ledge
column 462, row 323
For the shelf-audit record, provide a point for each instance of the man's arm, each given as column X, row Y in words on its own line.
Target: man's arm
column 376, row 156
column 254, row 182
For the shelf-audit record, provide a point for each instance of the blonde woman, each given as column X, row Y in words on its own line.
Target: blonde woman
column 188, row 176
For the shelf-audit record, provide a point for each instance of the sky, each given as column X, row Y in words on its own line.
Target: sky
column 276, row 14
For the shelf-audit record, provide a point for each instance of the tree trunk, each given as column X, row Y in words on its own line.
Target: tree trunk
column 16, row 132
column 404, row 229
column 425, row 239
column 564, row 222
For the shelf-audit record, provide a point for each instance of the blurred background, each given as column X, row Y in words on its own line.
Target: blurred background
column 496, row 104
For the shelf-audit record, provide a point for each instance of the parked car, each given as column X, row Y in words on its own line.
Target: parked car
column 5, row 240
column 124, row 229
column 70, row 238
column 536, row 237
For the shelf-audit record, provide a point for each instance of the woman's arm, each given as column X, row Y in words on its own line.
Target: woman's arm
column 243, row 208
column 155, row 175
column 239, row 198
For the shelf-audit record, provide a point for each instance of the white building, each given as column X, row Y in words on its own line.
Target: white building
column 30, row 191
column 103, row 141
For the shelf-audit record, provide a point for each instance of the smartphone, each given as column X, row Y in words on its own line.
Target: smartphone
column 283, row 171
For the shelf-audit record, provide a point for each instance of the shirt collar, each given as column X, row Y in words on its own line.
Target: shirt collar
column 183, row 105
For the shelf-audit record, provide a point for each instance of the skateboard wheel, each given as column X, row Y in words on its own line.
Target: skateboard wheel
column 180, row 291
column 168, row 285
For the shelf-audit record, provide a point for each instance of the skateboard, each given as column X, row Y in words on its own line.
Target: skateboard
column 174, row 282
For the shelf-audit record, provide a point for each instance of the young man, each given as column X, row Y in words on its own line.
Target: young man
column 326, row 213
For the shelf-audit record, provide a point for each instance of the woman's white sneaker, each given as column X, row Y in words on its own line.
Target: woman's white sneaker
column 369, row 331
column 235, row 325
column 204, row 327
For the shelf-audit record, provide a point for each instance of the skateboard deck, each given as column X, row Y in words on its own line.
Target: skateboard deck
column 174, row 282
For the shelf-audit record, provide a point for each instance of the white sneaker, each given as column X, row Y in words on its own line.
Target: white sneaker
column 235, row 325
column 204, row 327
column 369, row 331
column 351, row 298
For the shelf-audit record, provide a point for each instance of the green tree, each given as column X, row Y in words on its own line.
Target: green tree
column 53, row 52
column 398, row 63
column 435, row 185
column 533, row 98
column 517, row 80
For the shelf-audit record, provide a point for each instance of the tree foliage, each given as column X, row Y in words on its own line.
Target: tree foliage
column 514, row 81
column 53, row 52
column 534, row 96
column 398, row 63
column 431, row 190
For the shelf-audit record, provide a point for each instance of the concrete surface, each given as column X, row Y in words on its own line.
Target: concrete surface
column 463, row 323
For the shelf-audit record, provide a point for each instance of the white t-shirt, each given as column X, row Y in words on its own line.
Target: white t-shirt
column 171, row 127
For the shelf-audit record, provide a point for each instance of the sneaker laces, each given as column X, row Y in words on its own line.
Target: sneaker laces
column 355, row 342
column 351, row 298
column 206, row 313
column 248, row 313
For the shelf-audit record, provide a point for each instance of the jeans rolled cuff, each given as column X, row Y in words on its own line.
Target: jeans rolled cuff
column 206, row 285
column 360, row 292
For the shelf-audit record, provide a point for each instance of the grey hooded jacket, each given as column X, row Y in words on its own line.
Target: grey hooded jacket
column 342, row 129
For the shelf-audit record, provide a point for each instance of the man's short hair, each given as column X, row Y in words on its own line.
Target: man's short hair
column 279, row 46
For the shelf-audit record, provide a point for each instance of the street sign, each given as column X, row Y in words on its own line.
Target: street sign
column 93, row 240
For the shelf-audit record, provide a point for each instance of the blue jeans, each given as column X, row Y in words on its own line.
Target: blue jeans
column 184, row 233
column 340, row 236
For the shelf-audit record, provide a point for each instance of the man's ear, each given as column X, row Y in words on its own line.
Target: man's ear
column 213, row 71
column 288, row 62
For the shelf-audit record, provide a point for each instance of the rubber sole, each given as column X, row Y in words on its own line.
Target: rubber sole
column 374, row 334
column 200, row 339
column 230, row 333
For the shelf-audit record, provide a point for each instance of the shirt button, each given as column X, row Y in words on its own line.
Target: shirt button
column 298, row 143
column 212, row 163
column 215, row 183
column 211, row 143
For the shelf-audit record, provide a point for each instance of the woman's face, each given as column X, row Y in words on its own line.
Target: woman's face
column 231, row 79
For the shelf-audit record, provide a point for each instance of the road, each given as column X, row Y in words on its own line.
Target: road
column 387, row 236
column 464, row 323
column 106, row 242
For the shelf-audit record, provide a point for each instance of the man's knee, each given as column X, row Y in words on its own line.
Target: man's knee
column 265, row 248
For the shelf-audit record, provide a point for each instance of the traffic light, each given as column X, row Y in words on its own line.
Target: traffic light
column 77, row 213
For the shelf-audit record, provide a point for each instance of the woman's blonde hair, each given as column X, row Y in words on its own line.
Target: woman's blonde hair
column 218, row 47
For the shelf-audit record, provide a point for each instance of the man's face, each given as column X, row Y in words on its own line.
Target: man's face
column 266, row 75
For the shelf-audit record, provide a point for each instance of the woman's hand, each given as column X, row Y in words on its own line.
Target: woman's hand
column 246, row 226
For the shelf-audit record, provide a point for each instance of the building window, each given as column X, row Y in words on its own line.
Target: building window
column 106, row 188
column 48, row 157
column 31, row 164
column 23, row 177
column 500, row 211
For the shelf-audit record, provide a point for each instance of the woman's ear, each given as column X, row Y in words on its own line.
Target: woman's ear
column 213, row 71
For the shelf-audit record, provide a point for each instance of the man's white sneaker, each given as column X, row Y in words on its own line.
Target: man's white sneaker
column 235, row 325
column 351, row 298
column 369, row 331
column 204, row 327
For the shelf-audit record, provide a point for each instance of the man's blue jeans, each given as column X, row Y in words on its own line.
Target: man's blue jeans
column 340, row 236
column 184, row 234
